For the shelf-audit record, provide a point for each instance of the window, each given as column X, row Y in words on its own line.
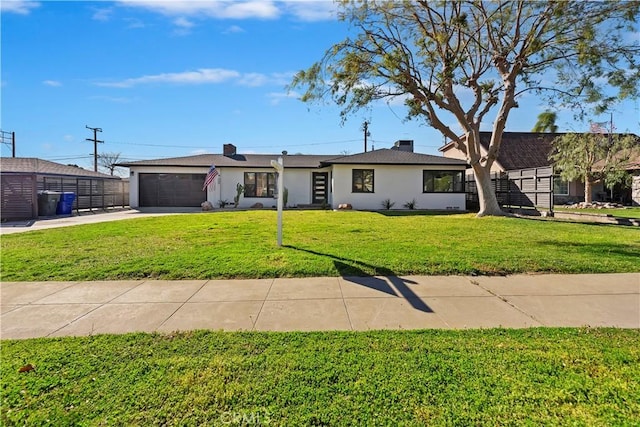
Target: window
column 443, row 181
column 362, row 181
column 560, row 186
column 259, row 184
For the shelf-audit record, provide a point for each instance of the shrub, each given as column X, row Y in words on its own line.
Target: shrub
column 387, row 204
column 410, row 204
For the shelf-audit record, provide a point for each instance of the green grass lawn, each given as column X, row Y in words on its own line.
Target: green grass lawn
column 620, row 213
column 316, row 243
column 492, row 377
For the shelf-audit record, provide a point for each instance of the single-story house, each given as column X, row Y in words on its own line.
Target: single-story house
column 23, row 177
column 530, row 150
column 362, row 180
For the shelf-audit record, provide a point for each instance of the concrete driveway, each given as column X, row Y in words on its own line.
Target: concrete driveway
column 88, row 217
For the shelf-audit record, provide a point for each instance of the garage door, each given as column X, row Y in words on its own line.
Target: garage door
column 171, row 190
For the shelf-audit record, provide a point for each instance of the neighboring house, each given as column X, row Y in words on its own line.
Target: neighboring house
column 361, row 180
column 23, row 177
column 529, row 150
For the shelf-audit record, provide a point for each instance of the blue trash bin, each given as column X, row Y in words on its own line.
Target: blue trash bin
column 65, row 205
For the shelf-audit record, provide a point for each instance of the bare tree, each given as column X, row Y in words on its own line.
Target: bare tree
column 109, row 161
column 464, row 63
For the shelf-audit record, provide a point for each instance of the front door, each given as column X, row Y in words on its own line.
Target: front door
column 320, row 189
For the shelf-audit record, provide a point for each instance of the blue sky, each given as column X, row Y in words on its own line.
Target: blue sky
column 176, row 78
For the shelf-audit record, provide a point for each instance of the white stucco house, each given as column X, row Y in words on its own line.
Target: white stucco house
column 362, row 180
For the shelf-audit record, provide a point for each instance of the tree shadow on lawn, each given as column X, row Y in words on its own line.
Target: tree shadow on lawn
column 352, row 271
column 622, row 249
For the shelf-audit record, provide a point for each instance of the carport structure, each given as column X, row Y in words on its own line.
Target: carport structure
column 23, row 177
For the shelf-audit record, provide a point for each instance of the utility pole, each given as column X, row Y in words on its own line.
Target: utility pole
column 95, row 145
column 11, row 136
column 365, row 128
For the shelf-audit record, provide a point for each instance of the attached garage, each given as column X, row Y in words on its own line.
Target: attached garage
column 171, row 189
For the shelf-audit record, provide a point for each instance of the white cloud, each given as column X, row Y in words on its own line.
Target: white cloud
column 233, row 30
column 183, row 26
column 277, row 97
column 282, row 78
column 253, row 79
column 68, row 138
column 21, row 7
column 134, row 23
column 212, row 9
column 183, row 22
column 52, row 83
column 102, row 14
column 312, row 10
column 201, row 76
column 304, row 10
column 114, row 99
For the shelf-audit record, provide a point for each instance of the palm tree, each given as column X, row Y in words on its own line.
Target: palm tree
column 546, row 122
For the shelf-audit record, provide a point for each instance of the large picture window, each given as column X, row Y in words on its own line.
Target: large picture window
column 362, row 181
column 560, row 186
column 259, row 184
column 443, row 182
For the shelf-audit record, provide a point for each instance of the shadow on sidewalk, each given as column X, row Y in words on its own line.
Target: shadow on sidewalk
column 353, row 271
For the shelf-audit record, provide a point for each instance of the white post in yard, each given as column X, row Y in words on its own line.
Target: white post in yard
column 279, row 167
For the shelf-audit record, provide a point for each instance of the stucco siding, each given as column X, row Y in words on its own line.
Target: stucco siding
column 297, row 181
column 400, row 184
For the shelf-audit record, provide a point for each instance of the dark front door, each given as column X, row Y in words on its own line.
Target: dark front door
column 320, row 188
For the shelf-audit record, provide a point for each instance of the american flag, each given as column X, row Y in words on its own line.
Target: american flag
column 213, row 172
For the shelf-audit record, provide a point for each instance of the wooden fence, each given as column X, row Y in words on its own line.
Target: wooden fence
column 20, row 193
column 521, row 189
column 91, row 193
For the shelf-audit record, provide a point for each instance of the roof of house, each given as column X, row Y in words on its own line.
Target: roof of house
column 519, row 150
column 45, row 167
column 235, row 161
column 522, row 150
column 382, row 157
column 386, row 156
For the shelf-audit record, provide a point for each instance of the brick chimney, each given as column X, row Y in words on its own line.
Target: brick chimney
column 404, row 145
column 229, row 150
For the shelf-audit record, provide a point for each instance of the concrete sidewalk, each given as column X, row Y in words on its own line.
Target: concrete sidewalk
column 52, row 309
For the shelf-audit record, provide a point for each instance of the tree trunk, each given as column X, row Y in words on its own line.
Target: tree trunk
column 587, row 190
column 486, row 195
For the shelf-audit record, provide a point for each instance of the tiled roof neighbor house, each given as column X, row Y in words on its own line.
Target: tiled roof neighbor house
column 362, row 180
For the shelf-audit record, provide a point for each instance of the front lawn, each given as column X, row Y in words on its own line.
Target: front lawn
column 317, row 243
column 492, row 377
